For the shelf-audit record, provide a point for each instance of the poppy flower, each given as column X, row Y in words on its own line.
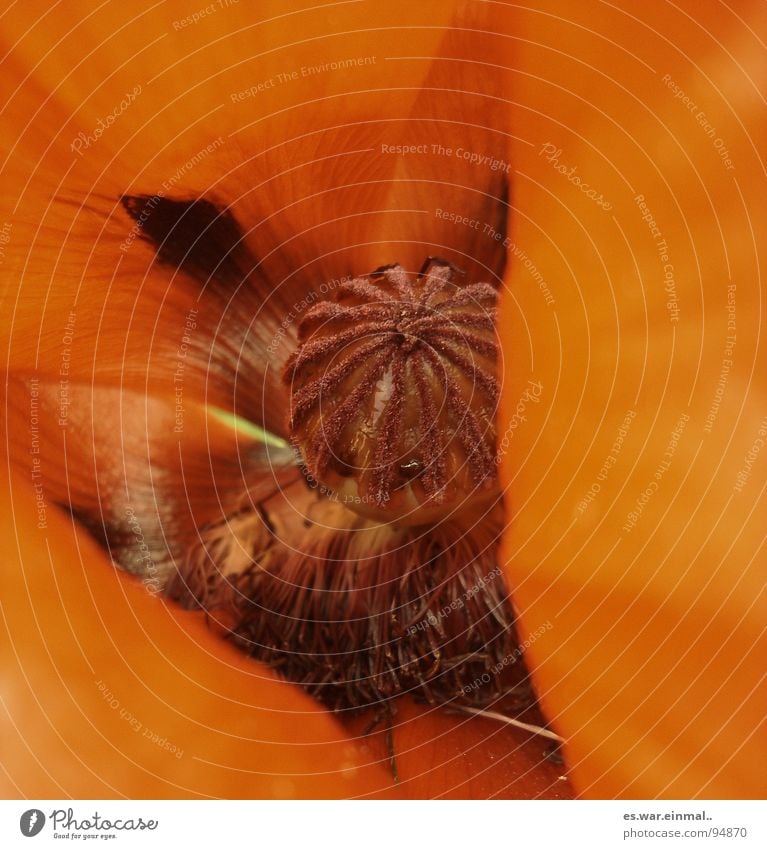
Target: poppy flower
column 182, row 236
column 252, row 241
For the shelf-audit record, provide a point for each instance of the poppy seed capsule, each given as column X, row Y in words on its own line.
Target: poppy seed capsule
column 394, row 394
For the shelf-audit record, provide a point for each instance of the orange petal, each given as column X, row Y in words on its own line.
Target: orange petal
column 450, row 181
column 634, row 401
column 109, row 692
column 274, row 114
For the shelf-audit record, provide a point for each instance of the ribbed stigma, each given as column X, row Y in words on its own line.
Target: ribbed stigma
column 394, row 393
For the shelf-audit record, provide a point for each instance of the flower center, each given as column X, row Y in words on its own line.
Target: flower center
column 394, row 393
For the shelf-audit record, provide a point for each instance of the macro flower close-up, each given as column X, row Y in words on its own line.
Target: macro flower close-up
column 383, row 408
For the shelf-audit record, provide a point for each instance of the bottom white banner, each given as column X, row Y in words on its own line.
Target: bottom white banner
column 593, row 824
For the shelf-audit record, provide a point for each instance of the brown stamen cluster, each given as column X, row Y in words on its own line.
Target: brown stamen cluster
column 361, row 616
column 393, row 396
column 393, row 392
